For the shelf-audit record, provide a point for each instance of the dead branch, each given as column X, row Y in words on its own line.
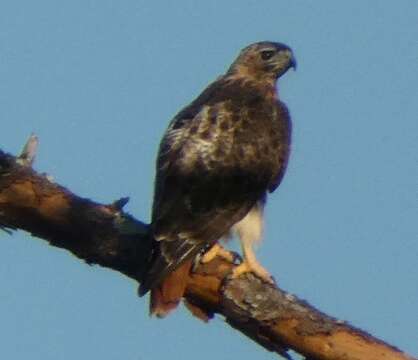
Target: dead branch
column 106, row 235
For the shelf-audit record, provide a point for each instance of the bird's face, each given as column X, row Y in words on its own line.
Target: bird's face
column 264, row 60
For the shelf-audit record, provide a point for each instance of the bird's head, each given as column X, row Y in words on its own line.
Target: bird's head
column 263, row 61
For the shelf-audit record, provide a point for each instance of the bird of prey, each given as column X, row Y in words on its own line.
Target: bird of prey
column 219, row 158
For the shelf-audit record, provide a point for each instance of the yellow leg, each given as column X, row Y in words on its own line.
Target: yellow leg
column 250, row 264
column 214, row 251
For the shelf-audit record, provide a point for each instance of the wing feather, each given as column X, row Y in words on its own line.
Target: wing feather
column 212, row 168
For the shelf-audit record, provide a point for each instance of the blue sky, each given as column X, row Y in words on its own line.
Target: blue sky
column 98, row 82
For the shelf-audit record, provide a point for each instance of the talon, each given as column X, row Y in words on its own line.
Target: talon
column 217, row 250
column 237, row 258
column 254, row 268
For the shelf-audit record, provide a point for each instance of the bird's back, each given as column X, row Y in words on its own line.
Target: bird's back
column 217, row 159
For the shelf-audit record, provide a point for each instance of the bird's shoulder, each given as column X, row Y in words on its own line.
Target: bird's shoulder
column 211, row 121
column 223, row 90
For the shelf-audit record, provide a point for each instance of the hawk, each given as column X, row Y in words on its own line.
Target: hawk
column 219, row 158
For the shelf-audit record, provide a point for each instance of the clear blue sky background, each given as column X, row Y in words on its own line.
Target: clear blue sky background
column 98, row 82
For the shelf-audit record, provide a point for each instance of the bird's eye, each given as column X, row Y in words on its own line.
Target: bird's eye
column 267, row 54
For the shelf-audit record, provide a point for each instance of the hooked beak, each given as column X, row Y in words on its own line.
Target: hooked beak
column 285, row 62
column 293, row 64
column 291, row 60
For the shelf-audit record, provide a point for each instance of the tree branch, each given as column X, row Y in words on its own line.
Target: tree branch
column 105, row 235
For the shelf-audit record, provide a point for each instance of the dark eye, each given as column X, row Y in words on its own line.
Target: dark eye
column 267, row 54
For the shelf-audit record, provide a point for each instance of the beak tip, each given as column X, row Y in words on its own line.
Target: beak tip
column 293, row 63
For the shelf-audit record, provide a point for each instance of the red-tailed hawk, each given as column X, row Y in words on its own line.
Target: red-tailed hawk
column 217, row 161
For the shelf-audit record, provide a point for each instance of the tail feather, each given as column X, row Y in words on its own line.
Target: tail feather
column 166, row 296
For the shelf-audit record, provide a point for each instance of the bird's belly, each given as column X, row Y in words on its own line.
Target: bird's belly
column 250, row 228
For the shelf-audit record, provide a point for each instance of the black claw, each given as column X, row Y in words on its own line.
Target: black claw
column 237, row 258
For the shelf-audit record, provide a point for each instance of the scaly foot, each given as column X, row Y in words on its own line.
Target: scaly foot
column 253, row 267
column 217, row 250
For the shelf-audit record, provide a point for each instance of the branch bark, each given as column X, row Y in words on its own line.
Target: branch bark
column 107, row 236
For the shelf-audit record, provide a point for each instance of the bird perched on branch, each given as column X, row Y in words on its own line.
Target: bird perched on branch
column 219, row 158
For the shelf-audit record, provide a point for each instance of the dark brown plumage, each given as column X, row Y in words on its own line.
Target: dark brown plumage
column 218, row 159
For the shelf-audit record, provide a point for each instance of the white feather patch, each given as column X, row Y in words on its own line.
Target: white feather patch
column 250, row 228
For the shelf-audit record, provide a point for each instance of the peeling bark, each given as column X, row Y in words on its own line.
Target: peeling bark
column 107, row 236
